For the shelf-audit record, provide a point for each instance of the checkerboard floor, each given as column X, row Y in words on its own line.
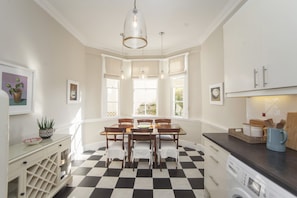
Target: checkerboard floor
column 92, row 179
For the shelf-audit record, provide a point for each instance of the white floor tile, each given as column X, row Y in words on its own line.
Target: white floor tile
column 160, row 174
column 81, row 192
column 97, row 172
column 128, row 172
column 143, row 183
column 89, row 163
column 107, row 182
column 192, row 173
column 163, row 193
column 122, row 193
column 180, row 183
column 76, row 179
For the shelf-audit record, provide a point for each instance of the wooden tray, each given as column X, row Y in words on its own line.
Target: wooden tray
column 238, row 133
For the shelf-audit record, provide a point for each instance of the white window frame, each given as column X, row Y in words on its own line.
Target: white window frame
column 185, row 90
column 156, row 89
column 117, row 100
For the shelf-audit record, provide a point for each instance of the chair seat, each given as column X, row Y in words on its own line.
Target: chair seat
column 166, row 137
column 115, row 151
column 168, row 149
column 142, row 150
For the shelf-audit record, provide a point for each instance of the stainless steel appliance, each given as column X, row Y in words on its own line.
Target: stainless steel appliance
column 245, row 182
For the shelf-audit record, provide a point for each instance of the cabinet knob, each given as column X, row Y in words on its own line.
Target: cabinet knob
column 25, row 162
column 22, row 194
column 60, row 145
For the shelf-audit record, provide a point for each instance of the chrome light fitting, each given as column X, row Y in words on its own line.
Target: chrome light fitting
column 134, row 36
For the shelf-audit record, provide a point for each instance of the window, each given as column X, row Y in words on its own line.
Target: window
column 112, row 90
column 145, row 97
column 178, row 84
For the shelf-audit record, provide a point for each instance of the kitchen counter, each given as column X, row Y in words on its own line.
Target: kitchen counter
column 278, row 167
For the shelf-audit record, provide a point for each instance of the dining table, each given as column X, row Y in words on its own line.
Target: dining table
column 153, row 135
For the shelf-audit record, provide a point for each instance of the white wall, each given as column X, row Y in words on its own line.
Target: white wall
column 217, row 118
column 31, row 38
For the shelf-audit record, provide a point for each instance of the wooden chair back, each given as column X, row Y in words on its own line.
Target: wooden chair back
column 126, row 121
column 169, row 131
column 144, row 121
column 141, row 134
column 163, row 121
column 112, row 133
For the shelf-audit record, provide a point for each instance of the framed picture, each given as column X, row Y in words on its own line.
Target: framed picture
column 17, row 82
column 216, row 94
column 72, row 92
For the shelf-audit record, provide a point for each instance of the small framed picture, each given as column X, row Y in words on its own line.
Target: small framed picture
column 17, row 82
column 216, row 94
column 72, row 92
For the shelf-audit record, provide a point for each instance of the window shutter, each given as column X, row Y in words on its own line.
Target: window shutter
column 149, row 68
column 177, row 65
column 113, row 68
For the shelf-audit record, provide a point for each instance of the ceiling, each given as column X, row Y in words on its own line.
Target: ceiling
column 99, row 23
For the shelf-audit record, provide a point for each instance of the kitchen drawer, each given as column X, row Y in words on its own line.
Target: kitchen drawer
column 215, row 188
column 25, row 162
column 216, row 150
column 62, row 145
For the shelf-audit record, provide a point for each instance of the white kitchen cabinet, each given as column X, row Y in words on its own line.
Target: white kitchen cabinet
column 260, row 44
column 39, row 170
column 215, row 172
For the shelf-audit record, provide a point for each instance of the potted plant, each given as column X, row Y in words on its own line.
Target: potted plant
column 46, row 127
column 16, row 91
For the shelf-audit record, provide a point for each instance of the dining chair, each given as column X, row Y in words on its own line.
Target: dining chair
column 144, row 122
column 162, row 121
column 126, row 121
column 168, row 147
column 116, row 148
column 142, row 147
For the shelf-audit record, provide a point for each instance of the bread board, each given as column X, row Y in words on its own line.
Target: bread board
column 291, row 129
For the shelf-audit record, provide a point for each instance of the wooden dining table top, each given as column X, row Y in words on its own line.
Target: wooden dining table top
column 155, row 128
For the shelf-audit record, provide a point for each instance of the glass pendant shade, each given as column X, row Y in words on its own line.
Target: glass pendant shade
column 134, row 36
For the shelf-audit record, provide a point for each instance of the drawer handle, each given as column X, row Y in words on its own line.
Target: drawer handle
column 25, row 162
column 215, row 149
column 214, row 181
column 214, row 159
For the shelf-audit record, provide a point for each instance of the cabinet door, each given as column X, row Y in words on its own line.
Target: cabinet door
column 280, row 42
column 243, row 48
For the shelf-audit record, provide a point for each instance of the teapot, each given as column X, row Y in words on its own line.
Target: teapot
column 276, row 139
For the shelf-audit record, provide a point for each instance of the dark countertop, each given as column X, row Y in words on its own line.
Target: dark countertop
column 278, row 167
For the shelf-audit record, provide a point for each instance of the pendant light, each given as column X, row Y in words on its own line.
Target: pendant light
column 134, row 36
column 162, row 71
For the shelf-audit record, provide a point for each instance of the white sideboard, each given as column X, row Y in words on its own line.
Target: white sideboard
column 260, row 41
column 39, row 170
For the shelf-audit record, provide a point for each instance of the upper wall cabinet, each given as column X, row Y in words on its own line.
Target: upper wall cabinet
column 260, row 47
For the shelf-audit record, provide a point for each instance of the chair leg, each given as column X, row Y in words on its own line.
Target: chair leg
column 160, row 163
column 133, row 164
column 107, row 162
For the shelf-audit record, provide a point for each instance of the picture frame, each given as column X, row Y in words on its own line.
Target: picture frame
column 72, row 92
column 216, row 94
column 17, row 82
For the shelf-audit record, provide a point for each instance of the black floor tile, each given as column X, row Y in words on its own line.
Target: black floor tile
column 189, row 149
column 143, row 193
column 184, row 194
column 162, row 183
column 100, row 164
column 101, row 192
column 125, row 183
column 89, row 181
column 183, row 153
column 144, row 173
column 196, row 183
column 112, row 172
column 64, row 192
column 187, row 165
column 202, row 171
column 197, row 158
column 95, row 157
column 81, row 171
column 88, row 152
column 176, row 173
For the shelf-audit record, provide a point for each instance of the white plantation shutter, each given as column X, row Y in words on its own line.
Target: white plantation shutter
column 177, row 65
